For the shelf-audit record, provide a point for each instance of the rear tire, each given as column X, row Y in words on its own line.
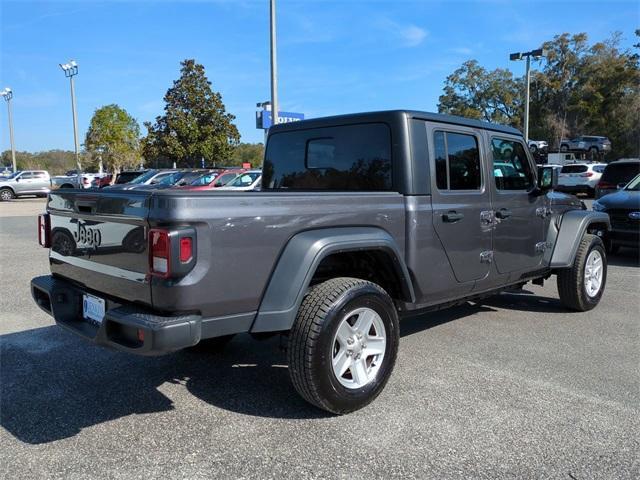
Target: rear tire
column 564, row 148
column 581, row 286
column 6, row 194
column 343, row 345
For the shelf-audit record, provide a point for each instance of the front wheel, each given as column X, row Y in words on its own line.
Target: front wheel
column 343, row 344
column 7, row 194
column 581, row 286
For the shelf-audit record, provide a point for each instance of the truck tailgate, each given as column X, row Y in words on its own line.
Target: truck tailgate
column 99, row 241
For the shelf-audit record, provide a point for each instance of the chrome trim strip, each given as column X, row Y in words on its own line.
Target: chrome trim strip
column 100, row 268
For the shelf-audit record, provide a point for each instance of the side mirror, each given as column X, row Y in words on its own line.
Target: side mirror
column 17, row 179
column 547, row 178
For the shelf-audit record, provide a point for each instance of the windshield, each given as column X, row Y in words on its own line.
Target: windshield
column 205, row 179
column 244, row 179
column 170, row 179
column 634, row 185
column 144, row 177
column 225, row 178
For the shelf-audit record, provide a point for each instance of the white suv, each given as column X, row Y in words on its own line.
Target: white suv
column 580, row 177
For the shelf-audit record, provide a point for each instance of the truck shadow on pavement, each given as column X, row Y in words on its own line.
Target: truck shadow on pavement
column 54, row 384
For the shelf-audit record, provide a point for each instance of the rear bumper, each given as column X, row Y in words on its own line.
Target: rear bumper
column 124, row 327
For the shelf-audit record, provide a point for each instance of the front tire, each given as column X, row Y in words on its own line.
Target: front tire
column 343, row 344
column 6, row 194
column 581, row 286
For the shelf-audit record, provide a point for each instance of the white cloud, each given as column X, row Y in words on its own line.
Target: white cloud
column 410, row 35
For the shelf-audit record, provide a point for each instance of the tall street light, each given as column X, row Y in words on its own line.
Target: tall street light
column 71, row 70
column 274, row 66
column 7, row 93
column 536, row 54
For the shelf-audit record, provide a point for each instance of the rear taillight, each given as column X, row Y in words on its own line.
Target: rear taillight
column 588, row 174
column 172, row 253
column 159, row 253
column 44, row 230
column 606, row 185
column 186, row 249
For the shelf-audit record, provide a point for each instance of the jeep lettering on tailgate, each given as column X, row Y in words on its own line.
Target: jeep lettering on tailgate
column 87, row 236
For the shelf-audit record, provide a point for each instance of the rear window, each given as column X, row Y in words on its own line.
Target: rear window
column 349, row 157
column 621, row 172
column 574, row 169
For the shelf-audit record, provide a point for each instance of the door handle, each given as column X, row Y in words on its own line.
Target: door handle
column 452, row 216
column 503, row 213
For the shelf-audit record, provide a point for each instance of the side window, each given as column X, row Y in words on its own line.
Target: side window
column 511, row 168
column 457, row 161
column 26, row 175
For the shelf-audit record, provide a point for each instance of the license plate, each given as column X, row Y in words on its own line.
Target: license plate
column 92, row 308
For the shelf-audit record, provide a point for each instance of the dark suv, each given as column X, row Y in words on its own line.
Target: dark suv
column 617, row 175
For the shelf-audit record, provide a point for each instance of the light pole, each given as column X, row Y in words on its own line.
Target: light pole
column 274, row 65
column 71, row 70
column 536, row 54
column 7, row 93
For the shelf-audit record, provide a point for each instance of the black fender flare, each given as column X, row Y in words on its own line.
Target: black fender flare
column 567, row 231
column 298, row 262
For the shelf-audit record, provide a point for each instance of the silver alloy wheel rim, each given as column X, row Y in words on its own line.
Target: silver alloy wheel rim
column 358, row 348
column 593, row 270
column 5, row 195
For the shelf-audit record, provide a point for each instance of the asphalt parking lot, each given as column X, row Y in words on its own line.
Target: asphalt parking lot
column 516, row 387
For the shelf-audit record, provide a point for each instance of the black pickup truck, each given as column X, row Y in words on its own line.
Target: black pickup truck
column 362, row 219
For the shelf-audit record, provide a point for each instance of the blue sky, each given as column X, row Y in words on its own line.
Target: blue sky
column 334, row 56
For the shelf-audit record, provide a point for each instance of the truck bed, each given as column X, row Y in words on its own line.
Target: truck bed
column 239, row 238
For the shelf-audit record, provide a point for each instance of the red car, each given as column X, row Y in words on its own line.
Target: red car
column 214, row 179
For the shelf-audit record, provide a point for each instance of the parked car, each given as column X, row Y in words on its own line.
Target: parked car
column 71, row 179
column 580, row 177
column 351, row 231
column 537, row 145
column 101, row 182
column 617, row 175
column 151, row 177
column 6, row 171
column 127, row 176
column 586, row 143
column 623, row 208
column 214, row 179
column 245, row 182
column 26, row 182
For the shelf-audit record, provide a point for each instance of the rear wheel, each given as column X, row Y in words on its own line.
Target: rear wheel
column 581, row 286
column 564, row 148
column 343, row 344
column 7, row 194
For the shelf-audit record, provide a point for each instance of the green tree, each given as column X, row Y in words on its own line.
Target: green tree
column 113, row 138
column 473, row 92
column 195, row 124
column 252, row 153
column 582, row 89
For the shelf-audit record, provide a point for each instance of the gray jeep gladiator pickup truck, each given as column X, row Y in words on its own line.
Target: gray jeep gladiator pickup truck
column 362, row 219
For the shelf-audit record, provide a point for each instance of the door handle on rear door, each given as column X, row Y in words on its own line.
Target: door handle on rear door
column 452, row 216
column 503, row 213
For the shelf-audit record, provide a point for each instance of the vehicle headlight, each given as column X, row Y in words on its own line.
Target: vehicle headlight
column 598, row 207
